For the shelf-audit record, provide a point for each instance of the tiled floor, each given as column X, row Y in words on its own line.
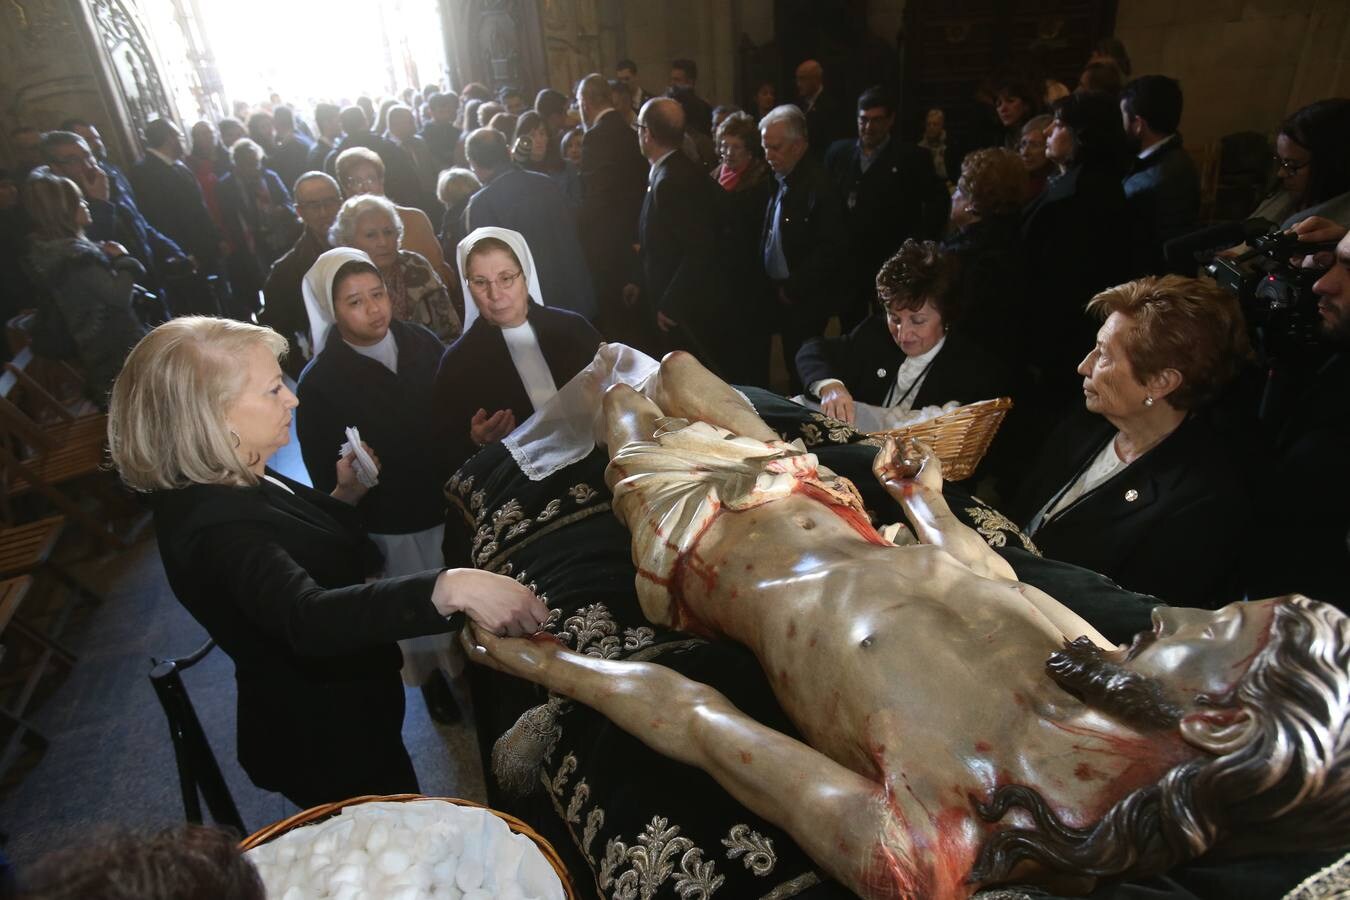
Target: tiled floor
column 110, row 761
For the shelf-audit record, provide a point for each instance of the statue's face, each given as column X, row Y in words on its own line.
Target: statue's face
column 1191, row 652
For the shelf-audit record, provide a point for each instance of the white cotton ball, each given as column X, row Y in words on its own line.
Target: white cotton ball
column 470, row 873
column 403, row 892
column 345, row 873
column 536, row 875
column 347, row 892
column 296, row 892
column 504, row 860
column 316, row 862
column 479, row 894
column 285, row 852
column 509, row 890
column 447, row 892
column 392, row 862
column 335, row 836
column 355, row 856
column 378, row 838
column 443, row 872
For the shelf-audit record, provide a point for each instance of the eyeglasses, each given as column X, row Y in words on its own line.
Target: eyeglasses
column 1290, row 165
column 355, row 183
column 503, row 282
column 325, row 203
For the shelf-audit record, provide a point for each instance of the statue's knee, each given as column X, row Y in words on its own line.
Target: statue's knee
column 618, row 397
column 679, row 361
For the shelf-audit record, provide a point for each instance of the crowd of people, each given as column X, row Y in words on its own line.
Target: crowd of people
column 434, row 267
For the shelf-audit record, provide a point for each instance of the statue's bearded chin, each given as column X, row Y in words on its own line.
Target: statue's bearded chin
column 1084, row 670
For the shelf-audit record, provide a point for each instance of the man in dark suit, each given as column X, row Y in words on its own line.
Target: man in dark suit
column 613, row 182
column 625, row 70
column 400, row 178
column 534, row 205
column 289, row 155
column 441, row 133
column 826, row 118
column 890, row 192
column 328, row 121
column 317, row 200
column 171, row 199
column 1162, row 188
column 678, row 243
column 804, row 241
column 684, row 88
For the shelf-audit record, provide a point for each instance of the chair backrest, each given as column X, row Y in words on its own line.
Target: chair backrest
column 199, row 775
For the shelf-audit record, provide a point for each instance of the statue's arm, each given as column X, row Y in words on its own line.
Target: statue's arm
column 842, row 820
column 912, row 475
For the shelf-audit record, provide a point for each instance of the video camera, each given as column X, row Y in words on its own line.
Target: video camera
column 1274, row 291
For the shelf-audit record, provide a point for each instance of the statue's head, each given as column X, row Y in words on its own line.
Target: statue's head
column 1261, row 689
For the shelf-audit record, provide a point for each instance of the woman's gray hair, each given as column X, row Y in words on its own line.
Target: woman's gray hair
column 244, row 144
column 166, row 415
column 343, row 232
column 453, row 185
column 792, row 118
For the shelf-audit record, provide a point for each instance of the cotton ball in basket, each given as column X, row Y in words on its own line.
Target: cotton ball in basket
column 377, row 838
column 393, row 861
column 443, row 872
column 469, row 875
column 478, row 894
column 296, row 892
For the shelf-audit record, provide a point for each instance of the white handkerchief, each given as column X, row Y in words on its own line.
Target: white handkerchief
column 366, row 470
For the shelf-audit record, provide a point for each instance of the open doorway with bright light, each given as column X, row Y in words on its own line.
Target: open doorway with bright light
column 218, row 53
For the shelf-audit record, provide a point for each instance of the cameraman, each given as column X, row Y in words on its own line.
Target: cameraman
column 1306, row 413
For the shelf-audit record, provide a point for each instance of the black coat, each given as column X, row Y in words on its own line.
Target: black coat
column 283, row 302
column 244, row 224
column 827, row 121
column 290, row 158
column 1162, row 193
column 476, row 371
column 534, row 205
column 396, row 415
column 679, row 240
column 613, row 182
column 279, row 581
column 867, row 358
column 815, row 238
column 990, row 276
column 1182, row 536
column 898, row 197
column 171, row 200
column 1078, row 240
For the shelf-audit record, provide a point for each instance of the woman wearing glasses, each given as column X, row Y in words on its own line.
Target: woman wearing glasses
column 371, row 224
column 1312, row 165
column 515, row 352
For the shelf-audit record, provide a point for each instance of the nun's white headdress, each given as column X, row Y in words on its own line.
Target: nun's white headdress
column 317, row 288
column 513, row 239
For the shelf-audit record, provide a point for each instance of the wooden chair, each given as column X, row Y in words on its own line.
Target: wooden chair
column 13, row 591
column 27, row 550
column 38, row 456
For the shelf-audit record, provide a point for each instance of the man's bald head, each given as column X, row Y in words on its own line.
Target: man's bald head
column 662, row 121
column 593, row 97
column 810, row 78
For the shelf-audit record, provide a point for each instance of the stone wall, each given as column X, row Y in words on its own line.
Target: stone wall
column 1243, row 64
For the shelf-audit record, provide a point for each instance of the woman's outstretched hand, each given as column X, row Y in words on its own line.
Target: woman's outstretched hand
column 494, row 603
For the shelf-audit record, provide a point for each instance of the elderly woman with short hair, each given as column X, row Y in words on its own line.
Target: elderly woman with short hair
column 371, row 224
column 907, row 355
column 454, row 188
column 275, row 570
column 361, row 171
column 1143, row 488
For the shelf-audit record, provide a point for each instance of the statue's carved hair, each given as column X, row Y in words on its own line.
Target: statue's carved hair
column 1287, row 788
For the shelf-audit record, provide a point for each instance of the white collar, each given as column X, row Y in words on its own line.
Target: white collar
column 656, row 164
column 924, row 359
column 1149, row 151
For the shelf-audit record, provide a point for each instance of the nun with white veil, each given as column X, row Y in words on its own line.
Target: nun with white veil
column 515, row 352
column 377, row 374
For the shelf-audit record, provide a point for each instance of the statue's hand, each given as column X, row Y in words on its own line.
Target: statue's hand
column 899, row 463
column 524, row 657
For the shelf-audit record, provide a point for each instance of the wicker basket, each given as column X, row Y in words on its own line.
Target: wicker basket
column 328, row 810
column 960, row 438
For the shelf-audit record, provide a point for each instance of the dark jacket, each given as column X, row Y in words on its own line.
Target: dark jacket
column 827, row 121
column 1078, row 241
column 1173, row 524
column 318, row 156
column 257, row 238
column 1162, row 193
column 476, row 371
column 394, row 413
column 93, row 299
column 443, row 139
column 278, row 580
column 679, row 241
column 867, row 358
column 283, row 301
column 613, row 182
column 119, row 219
column 290, row 158
column 898, row 197
column 171, row 200
column 748, row 317
column 989, row 266
column 534, row 205
column 815, row 237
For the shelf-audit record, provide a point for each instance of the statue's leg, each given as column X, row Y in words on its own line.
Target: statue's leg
column 629, row 416
column 685, row 389
column 843, row 821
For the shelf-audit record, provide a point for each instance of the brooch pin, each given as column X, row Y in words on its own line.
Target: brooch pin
column 1131, row 495
column 881, row 373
